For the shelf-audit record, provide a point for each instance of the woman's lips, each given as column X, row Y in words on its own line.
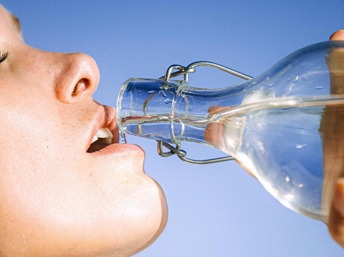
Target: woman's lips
column 105, row 131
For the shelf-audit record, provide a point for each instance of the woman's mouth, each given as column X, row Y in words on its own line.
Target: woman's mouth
column 100, row 140
column 103, row 136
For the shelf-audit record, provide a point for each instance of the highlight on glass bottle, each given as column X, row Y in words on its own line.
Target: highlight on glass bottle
column 285, row 126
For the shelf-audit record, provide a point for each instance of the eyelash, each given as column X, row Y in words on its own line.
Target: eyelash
column 3, row 56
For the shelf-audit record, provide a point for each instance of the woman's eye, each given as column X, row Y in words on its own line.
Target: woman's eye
column 3, row 56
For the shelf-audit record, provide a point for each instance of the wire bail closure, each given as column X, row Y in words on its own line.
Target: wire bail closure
column 178, row 70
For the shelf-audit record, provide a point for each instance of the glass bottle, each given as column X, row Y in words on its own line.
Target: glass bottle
column 285, row 126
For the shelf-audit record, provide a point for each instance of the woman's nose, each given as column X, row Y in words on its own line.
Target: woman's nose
column 77, row 78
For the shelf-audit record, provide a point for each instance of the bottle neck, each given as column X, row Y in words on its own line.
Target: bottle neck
column 172, row 111
column 152, row 109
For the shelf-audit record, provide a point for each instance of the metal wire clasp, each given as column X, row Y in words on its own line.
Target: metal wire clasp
column 178, row 70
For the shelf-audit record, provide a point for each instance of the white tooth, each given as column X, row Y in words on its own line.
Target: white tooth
column 104, row 133
column 95, row 138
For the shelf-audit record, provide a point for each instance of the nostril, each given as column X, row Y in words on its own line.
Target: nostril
column 77, row 77
column 80, row 87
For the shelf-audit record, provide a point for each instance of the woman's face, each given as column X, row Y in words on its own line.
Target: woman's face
column 58, row 196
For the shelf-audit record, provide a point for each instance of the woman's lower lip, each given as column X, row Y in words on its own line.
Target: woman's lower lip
column 117, row 148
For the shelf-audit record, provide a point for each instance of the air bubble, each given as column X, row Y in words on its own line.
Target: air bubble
column 296, row 79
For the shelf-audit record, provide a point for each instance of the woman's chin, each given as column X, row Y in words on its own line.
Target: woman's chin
column 158, row 219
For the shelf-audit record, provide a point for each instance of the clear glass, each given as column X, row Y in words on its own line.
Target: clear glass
column 285, row 126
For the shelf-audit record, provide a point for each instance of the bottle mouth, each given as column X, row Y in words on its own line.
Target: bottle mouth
column 145, row 108
column 119, row 104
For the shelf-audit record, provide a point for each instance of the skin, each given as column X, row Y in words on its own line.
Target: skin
column 55, row 198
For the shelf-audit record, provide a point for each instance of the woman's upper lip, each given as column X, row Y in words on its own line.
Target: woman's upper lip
column 109, row 121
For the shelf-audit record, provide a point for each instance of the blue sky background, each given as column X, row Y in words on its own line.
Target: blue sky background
column 216, row 210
